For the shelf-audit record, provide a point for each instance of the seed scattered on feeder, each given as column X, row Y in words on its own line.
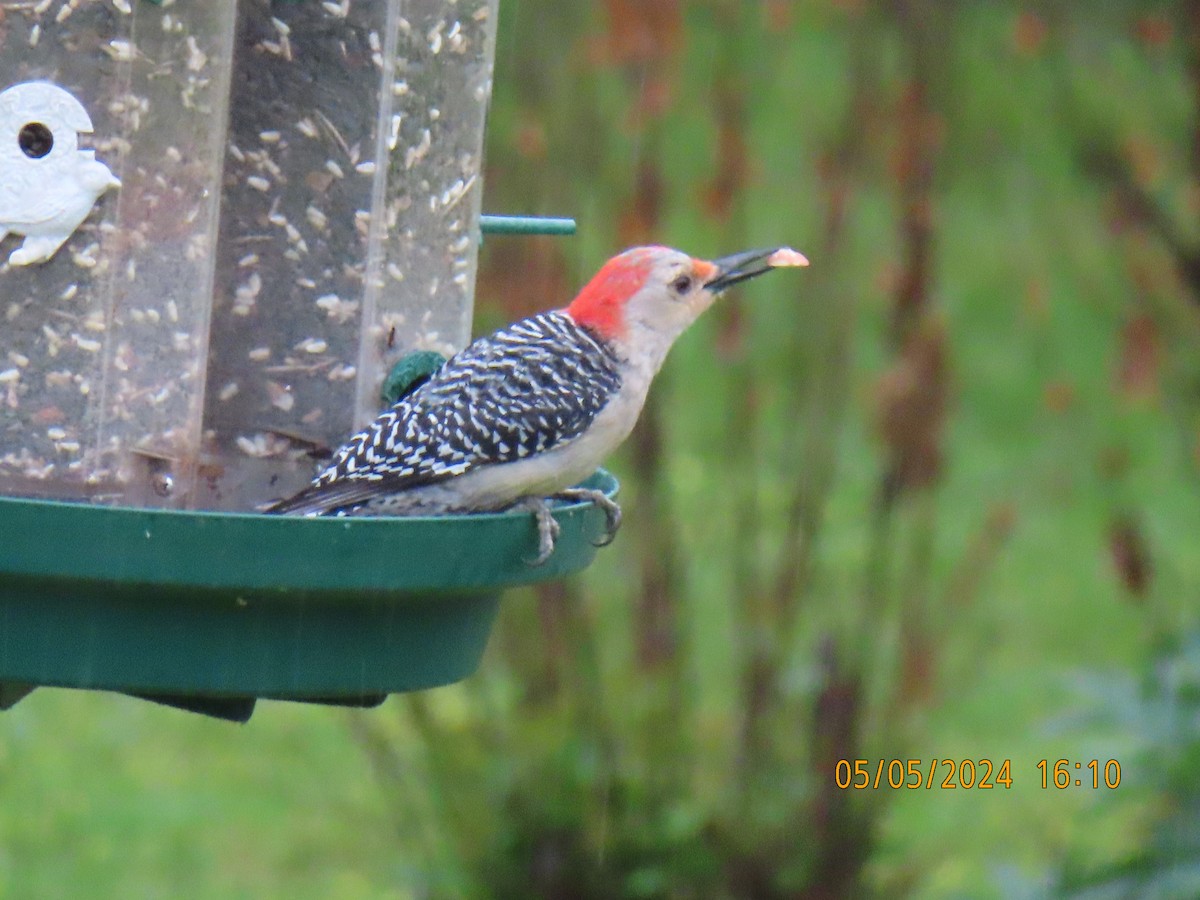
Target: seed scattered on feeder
column 197, row 248
column 307, row 128
column 123, row 7
column 316, row 218
column 456, row 192
column 197, row 58
column 312, row 345
column 86, row 344
column 120, row 50
column 365, row 168
column 334, row 169
column 416, row 153
column 339, row 310
column 10, row 376
column 19, row 358
column 259, row 354
column 35, row 34
column 69, row 292
column 281, row 397
column 337, row 10
column 262, row 445
column 228, row 391
column 247, row 261
column 84, row 259
column 247, row 293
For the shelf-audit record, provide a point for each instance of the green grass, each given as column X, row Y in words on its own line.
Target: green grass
column 106, row 796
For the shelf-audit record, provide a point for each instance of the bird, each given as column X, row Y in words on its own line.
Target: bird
column 518, row 418
column 48, row 186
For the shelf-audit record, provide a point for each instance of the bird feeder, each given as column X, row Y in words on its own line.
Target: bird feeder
column 222, row 224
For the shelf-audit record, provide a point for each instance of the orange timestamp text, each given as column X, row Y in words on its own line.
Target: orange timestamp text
column 923, row 774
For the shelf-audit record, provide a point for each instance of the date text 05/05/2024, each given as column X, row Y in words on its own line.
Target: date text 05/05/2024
column 968, row 774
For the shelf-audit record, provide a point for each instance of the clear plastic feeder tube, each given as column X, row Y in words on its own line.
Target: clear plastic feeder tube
column 298, row 207
column 103, row 346
column 349, row 222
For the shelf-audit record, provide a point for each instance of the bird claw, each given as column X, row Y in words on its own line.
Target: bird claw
column 548, row 528
column 611, row 509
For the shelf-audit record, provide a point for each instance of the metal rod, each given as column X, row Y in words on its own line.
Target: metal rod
column 525, row 225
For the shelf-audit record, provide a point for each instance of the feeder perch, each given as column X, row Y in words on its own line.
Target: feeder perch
column 269, row 206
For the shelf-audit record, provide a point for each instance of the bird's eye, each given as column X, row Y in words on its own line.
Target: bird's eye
column 682, row 284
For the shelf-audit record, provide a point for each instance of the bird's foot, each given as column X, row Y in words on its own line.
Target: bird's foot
column 547, row 527
column 612, row 511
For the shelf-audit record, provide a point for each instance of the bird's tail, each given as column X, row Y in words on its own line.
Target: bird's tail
column 323, row 499
column 299, row 504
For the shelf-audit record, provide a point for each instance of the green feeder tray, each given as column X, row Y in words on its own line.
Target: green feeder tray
column 211, row 611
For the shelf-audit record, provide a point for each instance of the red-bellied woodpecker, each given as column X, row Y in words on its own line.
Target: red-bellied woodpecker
column 520, row 416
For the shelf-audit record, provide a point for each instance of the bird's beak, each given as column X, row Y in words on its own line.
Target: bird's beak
column 729, row 270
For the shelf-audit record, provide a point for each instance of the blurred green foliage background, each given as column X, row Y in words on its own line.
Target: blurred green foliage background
column 937, row 496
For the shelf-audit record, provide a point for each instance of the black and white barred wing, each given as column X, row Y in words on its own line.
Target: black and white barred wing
column 535, row 385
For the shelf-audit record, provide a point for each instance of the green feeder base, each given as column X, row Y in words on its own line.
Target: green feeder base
column 210, row 611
